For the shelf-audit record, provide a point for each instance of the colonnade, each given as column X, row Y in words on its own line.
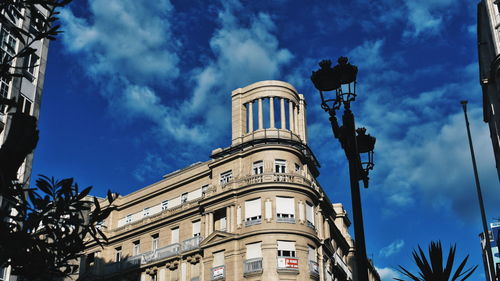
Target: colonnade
column 293, row 114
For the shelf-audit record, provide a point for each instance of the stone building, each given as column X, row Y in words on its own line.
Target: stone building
column 488, row 40
column 27, row 90
column 255, row 211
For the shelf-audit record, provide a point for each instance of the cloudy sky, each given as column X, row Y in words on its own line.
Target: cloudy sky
column 137, row 89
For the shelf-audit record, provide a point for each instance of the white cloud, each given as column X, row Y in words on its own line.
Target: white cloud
column 392, row 248
column 387, row 274
column 152, row 164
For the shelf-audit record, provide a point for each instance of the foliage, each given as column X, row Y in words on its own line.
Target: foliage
column 434, row 270
column 43, row 230
column 49, row 227
column 41, row 27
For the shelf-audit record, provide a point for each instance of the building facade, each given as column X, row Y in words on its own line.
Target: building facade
column 255, row 211
column 488, row 39
column 27, row 90
column 494, row 236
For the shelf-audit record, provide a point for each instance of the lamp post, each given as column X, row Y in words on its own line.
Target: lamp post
column 337, row 88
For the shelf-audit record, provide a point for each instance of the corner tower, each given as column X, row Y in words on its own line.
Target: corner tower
column 268, row 109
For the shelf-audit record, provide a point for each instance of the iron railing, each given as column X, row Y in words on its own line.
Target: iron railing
column 191, row 243
column 252, row 266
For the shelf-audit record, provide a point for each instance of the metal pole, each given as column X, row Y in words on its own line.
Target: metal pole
column 480, row 198
column 351, row 149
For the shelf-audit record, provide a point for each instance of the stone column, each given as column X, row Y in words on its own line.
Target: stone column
column 282, row 111
column 233, row 218
column 295, row 127
column 261, row 118
column 205, row 217
column 290, row 115
column 210, row 223
column 271, row 113
column 250, row 116
column 229, row 219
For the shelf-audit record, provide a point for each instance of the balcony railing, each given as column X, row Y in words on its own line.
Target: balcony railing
column 313, row 268
column 340, row 262
column 218, row 272
column 168, row 251
column 252, row 266
column 253, row 222
column 285, row 220
column 191, row 243
column 288, row 263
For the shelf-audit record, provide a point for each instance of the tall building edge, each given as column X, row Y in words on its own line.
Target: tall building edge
column 488, row 42
column 27, row 90
column 254, row 211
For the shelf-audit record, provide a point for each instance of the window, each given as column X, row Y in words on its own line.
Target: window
column 285, row 208
column 204, row 189
column 254, row 251
column 164, row 205
column 252, row 212
column 310, row 214
column 218, row 266
column 311, row 253
column 279, row 166
column 184, row 198
column 196, row 228
column 118, row 254
column 7, row 44
column 154, row 277
column 89, row 260
column 297, row 167
column 137, row 248
column 30, row 63
column 145, row 212
column 23, row 104
column 226, row 177
column 220, row 221
column 3, row 273
column 128, row 219
column 175, row 235
column 286, row 249
column 155, row 239
column 258, row 167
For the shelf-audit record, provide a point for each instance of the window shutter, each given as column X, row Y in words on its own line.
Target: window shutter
column 285, row 205
column 175, row 235
column 312, row 254
column 254, row 251
column 196, row 227
column 286, row 245
column 218, row 259
column 252, row 208
column 310, row 213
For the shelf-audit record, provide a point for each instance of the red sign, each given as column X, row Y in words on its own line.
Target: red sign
column 291, row 263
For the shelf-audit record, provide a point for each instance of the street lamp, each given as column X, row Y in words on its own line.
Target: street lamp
column 337, row 88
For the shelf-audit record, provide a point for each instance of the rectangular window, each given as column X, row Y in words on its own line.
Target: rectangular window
column 252, row 211
column 258, row 167
column 118, row 254
column 3, row 273
column 30, row 63
column 218, row 266
column 196, row 228
column 285, row 207
column 145, row 212
column 155, row 239
column 89, row 260
column 254, row 251
column 7, row 44
column 279, row 166
column 311, row 253
column 128, row 218
column 136, row 248
column 175, row 235
column 297, row 167
column 24, row 104
column 286, row 249
column 310, row 214
column 184, row 198
column 204, row 189
column 164, row 205
column 226, row 177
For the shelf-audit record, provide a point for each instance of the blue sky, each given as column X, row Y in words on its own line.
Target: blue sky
column 136, row 89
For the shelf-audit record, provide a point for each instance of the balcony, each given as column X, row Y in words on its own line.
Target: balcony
column 191, row 243
column 285, row 220
column 340, row 262
column 253, row 221
column 313, row 269
column 252, row 266
column 288, row 264
column 311, row 225
column 218, row 273
column 168, row 251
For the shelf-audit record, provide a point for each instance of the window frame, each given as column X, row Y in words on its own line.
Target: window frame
column 280, row 166
column 258, row 167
